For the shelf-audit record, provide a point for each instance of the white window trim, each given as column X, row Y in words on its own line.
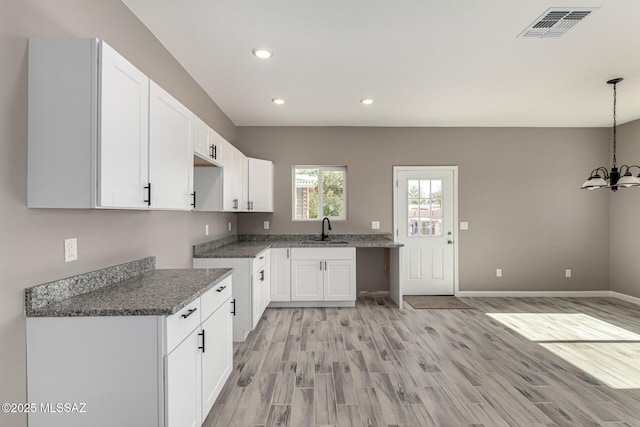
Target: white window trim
column 321, row 170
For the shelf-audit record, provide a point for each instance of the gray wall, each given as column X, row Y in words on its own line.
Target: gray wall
column 625, row 231
column 31, row 241
column 518, row 189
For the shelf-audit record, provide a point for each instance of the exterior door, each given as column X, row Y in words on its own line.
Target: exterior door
column 424, row 223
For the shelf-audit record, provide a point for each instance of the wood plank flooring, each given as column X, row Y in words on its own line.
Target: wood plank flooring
column 375, row 365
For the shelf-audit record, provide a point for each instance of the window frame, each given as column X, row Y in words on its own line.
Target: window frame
column 321, row 170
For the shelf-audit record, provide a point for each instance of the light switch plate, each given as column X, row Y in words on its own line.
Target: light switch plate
column 266, row 225
column 498, row 272
column 567, row 273
column 71, row 250
column 375, row 225
column 464, row 225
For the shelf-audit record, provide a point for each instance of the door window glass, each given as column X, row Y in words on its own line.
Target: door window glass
column 424, row 207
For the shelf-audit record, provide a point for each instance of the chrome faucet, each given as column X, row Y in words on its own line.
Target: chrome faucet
column 324, row 236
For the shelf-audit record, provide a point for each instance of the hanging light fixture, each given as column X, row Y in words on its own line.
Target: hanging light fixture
column 616, row 178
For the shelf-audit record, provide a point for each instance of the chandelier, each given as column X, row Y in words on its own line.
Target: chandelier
column 616, row 178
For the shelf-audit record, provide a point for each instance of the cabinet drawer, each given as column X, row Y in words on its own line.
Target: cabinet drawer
column 260, row 261
column 180, row 324
column 215, row 297
column 323, row 253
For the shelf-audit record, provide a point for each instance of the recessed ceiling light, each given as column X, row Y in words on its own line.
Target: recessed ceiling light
column 366, row 101
column 278, row 101
column 261, row 53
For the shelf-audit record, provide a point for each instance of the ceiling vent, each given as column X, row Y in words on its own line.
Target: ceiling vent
column 556, row 21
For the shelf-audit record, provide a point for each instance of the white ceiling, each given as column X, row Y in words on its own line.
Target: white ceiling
column 425, row 62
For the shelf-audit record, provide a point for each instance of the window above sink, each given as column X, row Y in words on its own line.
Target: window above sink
column 318, row 192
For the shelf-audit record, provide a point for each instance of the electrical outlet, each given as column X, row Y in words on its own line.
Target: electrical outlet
column 71, row 250
column 229, row 226
column 567, row 273
column 375, row 225
column 498, row 272
column 206, row 230
column 266, row 225
column 464, row 225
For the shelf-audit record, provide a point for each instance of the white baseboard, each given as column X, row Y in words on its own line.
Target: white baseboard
column 625, row 297
column 543, row 294
column 523, row 294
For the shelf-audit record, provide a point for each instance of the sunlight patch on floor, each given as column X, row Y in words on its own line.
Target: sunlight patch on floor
column 606, row 352
column 563, row 327
column 615, row 364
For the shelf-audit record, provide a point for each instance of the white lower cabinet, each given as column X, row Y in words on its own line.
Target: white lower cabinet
column 251, row 288
column 217, row 360
column 323, row 274
column 307, row 280
column 280, row 274
column 182, row 371
column 164, row 371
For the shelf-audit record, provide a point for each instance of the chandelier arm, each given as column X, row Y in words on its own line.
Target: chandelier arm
column 602, row 169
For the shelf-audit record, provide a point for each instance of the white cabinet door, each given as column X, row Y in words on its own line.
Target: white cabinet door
column 201, row 144
column 182, row 386
column 217, row 145
column 170, row 151
column 265, row 292
column 307, row 280
column 123, row 143
column 260, row 288
column 230, row 202
column 240, row 179
column 260, row 178
column 339, row 280
column 217, row 355
column 280, row 274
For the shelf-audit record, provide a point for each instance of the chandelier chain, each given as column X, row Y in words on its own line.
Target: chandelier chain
column 614, row 125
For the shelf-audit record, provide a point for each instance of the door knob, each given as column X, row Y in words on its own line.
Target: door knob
column 450, row 242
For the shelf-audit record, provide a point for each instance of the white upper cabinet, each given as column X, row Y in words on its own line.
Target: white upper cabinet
column 234, row 193
column 101, row 134
column 123, row 143
column 206, row 144
column 88, row 126
column 260, row 185
column 170, row 151
column 217, row 147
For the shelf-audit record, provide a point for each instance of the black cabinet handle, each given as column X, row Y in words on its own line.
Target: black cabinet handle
column 248, row 206
column 202, row 346
column 235, row 203
column 189, row 313
column 211, row 151
column 233, row 304
column 194, row 199
column 215, row 151
column 251, row 205
column 262, row 276
column 148, row 188
column 221, row 288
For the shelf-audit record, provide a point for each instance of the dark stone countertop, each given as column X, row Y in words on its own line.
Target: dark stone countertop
column 151, row 293
column 249, row 246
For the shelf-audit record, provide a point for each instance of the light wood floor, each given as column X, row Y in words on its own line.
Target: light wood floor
column 374, row 365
